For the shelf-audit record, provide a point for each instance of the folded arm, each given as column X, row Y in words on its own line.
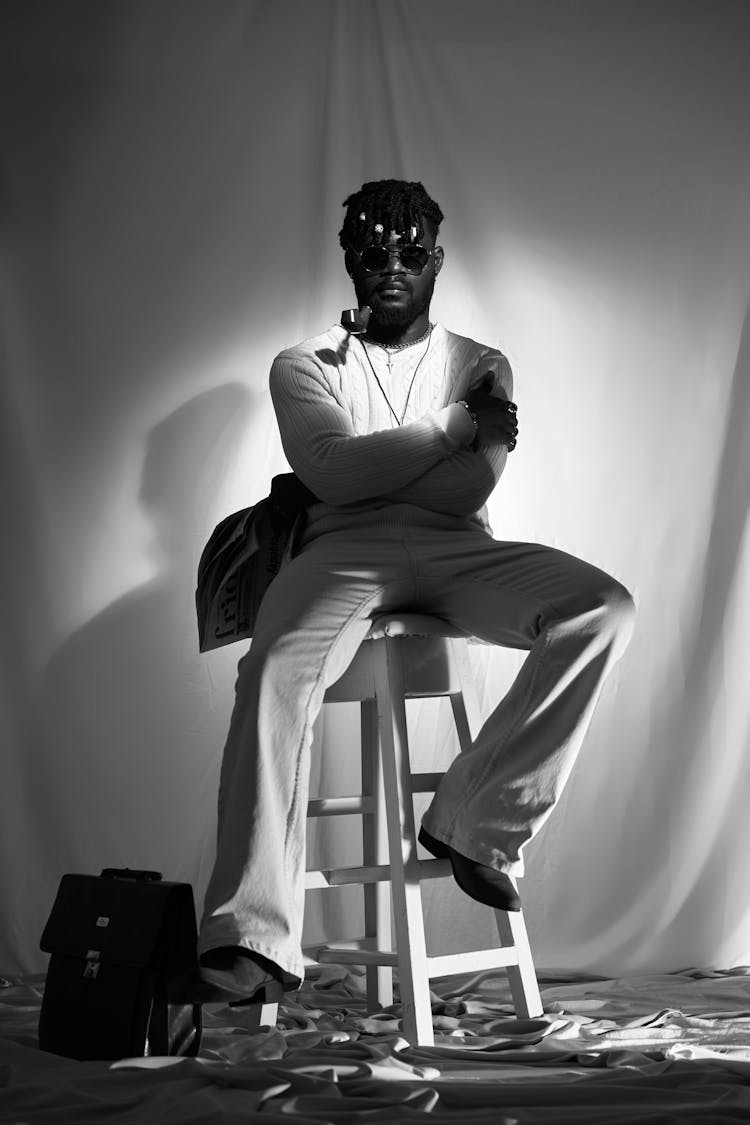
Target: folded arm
column 341, row 467
column 458, row 487
column 462, row 484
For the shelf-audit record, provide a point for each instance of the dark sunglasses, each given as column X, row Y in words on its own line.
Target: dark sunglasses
column 375, row 259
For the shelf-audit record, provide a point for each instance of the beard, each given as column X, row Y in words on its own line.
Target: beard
column 396, row 318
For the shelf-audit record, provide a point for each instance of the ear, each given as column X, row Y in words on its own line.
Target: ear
column 439, row 258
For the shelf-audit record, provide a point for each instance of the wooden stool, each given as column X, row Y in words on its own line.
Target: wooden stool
column 405, row 657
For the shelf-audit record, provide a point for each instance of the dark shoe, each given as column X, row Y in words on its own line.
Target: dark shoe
column 482, row 883
column 239, row 977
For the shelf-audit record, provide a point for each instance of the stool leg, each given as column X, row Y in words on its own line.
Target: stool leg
column 414, row 984
column 522, row 977
column 511, row 926
column 466, row 712
column 375, row 851
column 260, row 1015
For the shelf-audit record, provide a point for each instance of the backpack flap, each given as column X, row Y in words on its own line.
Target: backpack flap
column 106, row 920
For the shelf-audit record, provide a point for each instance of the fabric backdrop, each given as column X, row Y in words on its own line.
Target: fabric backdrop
column 172, row 175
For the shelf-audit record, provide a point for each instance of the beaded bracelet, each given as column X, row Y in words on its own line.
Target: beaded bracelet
column 470, row 412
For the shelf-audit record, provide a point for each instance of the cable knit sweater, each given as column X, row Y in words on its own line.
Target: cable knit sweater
column 341, row 437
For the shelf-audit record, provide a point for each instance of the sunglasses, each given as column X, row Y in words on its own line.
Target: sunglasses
column 375, row 259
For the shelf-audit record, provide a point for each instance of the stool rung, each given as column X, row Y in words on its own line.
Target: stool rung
column 347, row 953
column 425, row 782
column 340, row 876
column 341, row 806
column 312, row 951
column 475, row 961
column 380, row 873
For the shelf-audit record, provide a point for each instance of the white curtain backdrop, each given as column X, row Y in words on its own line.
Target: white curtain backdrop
column 172, row 175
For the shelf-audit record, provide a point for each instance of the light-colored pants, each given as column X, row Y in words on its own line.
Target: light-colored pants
column 574, row 620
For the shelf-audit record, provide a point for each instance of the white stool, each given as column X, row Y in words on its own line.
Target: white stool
column 404, row 657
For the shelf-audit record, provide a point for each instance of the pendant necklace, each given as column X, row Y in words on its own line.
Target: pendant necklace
column 397, row 348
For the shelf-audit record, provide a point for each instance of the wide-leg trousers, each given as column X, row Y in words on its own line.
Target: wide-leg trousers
column 573, row 619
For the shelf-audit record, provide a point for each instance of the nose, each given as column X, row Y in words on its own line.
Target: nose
column 395, row 265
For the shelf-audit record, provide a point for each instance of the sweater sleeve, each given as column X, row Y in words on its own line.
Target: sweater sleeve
column 459, row 487
column 462, row 484
column 339, row 466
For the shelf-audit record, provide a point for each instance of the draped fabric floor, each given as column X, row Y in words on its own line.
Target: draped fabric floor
column 657, row 1049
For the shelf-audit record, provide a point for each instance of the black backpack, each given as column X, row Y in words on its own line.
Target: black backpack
column 123, row 948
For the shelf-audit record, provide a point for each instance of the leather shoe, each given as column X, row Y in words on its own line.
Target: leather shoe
column 237, row 976
column 477, row 880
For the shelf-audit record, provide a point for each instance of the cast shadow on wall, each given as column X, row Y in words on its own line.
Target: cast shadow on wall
column 134, row 725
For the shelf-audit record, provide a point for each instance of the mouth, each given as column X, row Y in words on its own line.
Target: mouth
column 391, row 287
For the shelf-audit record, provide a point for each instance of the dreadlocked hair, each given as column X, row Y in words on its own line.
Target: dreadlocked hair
column 397, row 204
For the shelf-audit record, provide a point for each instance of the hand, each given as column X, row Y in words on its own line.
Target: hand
column 497, row 422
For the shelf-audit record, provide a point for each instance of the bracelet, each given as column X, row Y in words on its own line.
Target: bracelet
column 470, row 412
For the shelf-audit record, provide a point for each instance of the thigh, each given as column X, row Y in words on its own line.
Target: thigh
column 506, row 592
column 317, row 610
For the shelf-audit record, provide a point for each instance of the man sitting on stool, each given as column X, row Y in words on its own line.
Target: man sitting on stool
column 402, row 433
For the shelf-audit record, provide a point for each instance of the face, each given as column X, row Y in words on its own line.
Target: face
column 396, row 296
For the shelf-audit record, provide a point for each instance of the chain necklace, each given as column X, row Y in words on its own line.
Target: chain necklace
column 399, row 347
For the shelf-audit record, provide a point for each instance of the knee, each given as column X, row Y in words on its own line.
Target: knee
column 618, row 612
column 268, row 656
column 271, row 686
column 262, row 665
column 620, row 603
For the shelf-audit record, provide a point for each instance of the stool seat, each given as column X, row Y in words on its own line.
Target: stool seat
column 411, row 625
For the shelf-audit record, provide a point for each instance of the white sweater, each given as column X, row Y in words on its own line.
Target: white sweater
column 342, row 440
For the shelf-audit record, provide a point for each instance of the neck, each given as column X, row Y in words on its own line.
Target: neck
column 398, row 334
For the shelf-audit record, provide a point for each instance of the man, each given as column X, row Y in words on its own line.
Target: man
column 402, row 434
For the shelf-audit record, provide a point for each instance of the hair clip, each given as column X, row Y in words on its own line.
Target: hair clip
column 378, row 232
column 362, row 217
column 413, row 234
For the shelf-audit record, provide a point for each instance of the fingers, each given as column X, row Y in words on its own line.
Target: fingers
column 498, row 418
column 482, row 398
column 504, row 404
